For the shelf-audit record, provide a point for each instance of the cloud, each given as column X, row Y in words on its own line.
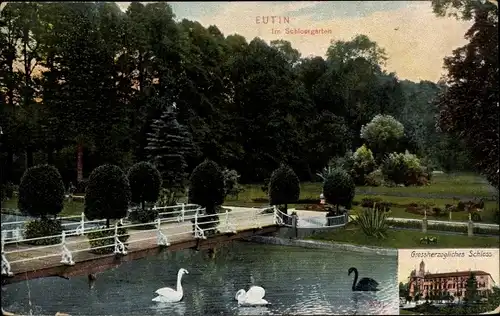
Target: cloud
column 416, row 49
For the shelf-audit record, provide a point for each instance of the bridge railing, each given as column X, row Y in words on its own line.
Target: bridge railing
column 164, row 231
column 290, row 220
column 78, row 224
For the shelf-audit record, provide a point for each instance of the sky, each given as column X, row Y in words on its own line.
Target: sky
column 406, row 263
column 415, row 40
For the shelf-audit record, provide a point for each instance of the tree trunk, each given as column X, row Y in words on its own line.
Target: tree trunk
column 107, row 222
column 143, row 204
column 79, row 163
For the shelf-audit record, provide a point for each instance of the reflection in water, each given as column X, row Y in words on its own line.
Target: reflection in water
column 296, row 281
column 253, row 310
column 178, row 308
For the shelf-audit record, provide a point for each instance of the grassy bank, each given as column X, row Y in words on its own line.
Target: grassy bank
column 71, row 208
column 405, row 239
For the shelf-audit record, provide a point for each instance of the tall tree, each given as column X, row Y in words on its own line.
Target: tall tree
column 468, row 107
column 169, row 145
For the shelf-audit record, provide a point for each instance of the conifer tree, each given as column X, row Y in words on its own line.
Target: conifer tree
column 168, row 145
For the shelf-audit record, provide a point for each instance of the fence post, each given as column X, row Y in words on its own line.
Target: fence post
column 198, row 232
column 119, row 246
column 424, row 223
column 5, row 263
column 294, row 224
column 82, row 223
column 470, row 226
column 66, row 257
column 162, row 240
column 183, row 210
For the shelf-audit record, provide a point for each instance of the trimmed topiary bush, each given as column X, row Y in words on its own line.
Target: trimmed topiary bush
column 42, row 228
column 284, row 187
column 145, row 184
column 108, row 194
column 41, row 191
column 96, row 234
column 339, row 188
column 206, row 188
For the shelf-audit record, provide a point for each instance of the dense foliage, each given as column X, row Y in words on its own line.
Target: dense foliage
column 98, row 241
column 206, row 186
column 145, row 183
column 94, row 85
column 468, row 107
column 339, row 188
column 382, row 133
column 169, row 144
column 363, row 164
column 108, row 194
column 41, row 191
column 43, row 227
column 105, row 80
column 284, row 187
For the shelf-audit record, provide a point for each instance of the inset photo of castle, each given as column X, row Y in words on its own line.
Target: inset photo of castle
column 449, row 281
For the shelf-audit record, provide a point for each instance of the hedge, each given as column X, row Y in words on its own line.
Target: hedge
column 122, row 232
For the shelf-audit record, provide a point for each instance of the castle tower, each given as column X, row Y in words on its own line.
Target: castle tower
column 422, row 266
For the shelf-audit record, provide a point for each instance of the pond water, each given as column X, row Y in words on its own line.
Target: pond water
column 297, row 281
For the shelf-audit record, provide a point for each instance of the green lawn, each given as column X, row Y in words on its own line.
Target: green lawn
column 399, row 205
column 405, row 312
column 446, row 184
column 70, row 208
column 406, row 239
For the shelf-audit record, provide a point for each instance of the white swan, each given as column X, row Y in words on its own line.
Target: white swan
column 168, row 295
column 254, row 296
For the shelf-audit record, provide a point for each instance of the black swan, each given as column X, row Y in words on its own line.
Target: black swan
column 365, row 284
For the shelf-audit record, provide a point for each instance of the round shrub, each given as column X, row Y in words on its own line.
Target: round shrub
column 404, row 168
column 145, row 183
column 206, row 186
column 96, row 234
column 108, row 194
column 41, row 191
column 284, row 187
column 382, row 133
column 339, row 188
column 42, row 228
column 363, row 164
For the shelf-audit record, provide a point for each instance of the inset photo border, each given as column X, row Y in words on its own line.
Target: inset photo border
column 448, row 281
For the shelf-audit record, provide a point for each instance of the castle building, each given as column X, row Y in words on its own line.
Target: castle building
column 448, row 282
